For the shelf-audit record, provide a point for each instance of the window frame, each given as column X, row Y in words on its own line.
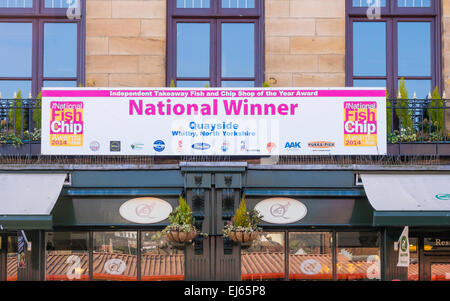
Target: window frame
column 37, row 16
column 215, row 15
column 392, row 15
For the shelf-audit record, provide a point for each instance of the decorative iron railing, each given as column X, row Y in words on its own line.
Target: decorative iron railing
column 408, row 121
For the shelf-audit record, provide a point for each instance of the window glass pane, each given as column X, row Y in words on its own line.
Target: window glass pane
column 440, row 272
column 115, row 255
column 369, row 48
column 159, row 261
column 238, row 50
column 376, row 83
column 414, row 49
column 367, row 3
column 238, row 84
column 310, row 256
column 9, row 87
column 193, row 49
column 11, row 259
column 264, row 259
column 59, row 83
column 193, row 83
column 238, row 3
column 60, row 49
column 59, row 3
column 413, row 269
column 67, row 256
column 16, row 3
column 193, row 4
column 15, row 49
column 421, row 87
column 358, row 256
column 414, row 3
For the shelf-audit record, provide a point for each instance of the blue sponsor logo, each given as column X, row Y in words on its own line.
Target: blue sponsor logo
column 201, row 146
column 292, row 145
column 159, row 145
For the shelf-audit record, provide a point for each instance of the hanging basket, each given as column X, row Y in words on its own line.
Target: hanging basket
column 242, row 237
column 180, row 238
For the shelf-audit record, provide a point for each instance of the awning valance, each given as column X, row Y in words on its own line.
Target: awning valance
column 409, row 199
column 28, row 199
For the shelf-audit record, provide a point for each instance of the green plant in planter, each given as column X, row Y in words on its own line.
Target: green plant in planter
column 404, row 113
column 437, row 111
column 17, row 116
column 181, row 229
column 181, row 218
column 244, row 225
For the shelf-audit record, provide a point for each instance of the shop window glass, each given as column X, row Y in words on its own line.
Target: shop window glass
column 10, row 87
column 67, row 256
column 11, row 259
column 358, row 256
column 440, row 272
column 59, row 3
column 310, row 256
column 115, row 255
column 413, row 269
column 193, row 49
column 16, row 3
column 193, row 3
column 414, row 51
column 219, row 45
column 369, row 48
column 367, row 3
column 238, row 84
column 264, row 259
column 38, row 45
column 238, row 3
column 238, row 50
column 15, row 49
column 395, row 45
column 414, row 3
column 159, row 260
column 193, row 83
column 60, row 49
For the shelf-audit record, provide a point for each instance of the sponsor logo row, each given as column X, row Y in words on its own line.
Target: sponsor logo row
column 159, row 146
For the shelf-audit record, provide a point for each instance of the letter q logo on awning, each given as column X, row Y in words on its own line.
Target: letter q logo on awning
column 281, row 210
column 146, row 210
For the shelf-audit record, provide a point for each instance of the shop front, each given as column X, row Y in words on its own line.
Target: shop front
column 318, row 225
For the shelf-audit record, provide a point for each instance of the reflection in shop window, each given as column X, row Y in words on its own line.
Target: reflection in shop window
column 440, row 272
column 310, row 255
column 67, row 256
column 358, row 256
column 264, row 259
column 11, row 261
column 159, row 261
column 413, row 269
column 115, row 255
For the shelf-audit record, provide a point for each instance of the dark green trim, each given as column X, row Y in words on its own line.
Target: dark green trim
column 120, row 192
column 307, row 193
column 411, row 218
column 26, row 222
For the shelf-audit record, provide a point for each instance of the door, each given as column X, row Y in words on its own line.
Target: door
column 436, row 268
column 213, row 199
column 8, row 257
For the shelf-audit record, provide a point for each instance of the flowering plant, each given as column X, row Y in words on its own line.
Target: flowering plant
column 244, row 222
column 181, row 218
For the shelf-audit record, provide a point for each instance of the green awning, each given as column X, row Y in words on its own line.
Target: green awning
column 26, row 222
column 411, row 218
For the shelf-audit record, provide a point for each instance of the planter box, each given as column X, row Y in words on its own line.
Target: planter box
column 23, row 150
column 419, row 149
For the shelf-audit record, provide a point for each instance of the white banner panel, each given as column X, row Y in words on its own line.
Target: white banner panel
column 213, row 121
